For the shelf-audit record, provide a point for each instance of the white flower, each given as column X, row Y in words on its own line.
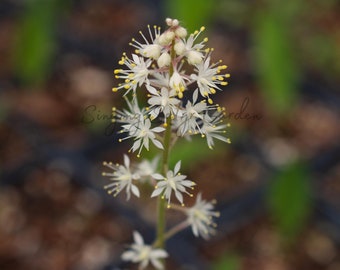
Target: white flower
column 163, row 101
column 145, row 169
column 122, row 177
column 181, row 32
column 164, row 60
column 129, row 118
column 177, row 83
column 144, row 254
column 192, row 116
column 200, row 217
column 150, row 49
column 136, row 74
column 211, row 128
column 172, row 182
column 194, row 57
column 143, row 134
column 180, row 48
column 208, row 78
column 193, row 51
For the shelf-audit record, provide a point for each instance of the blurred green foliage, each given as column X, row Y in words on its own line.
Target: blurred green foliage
column 228, row 262
column 192, row 13
column 35, row 44
column 276, row 64
column 289, row 199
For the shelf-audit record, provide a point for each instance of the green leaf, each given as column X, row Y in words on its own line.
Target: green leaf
column 35, row 43
column 276, row 65
column 289, row 199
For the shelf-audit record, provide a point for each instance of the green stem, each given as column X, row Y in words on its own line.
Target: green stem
column 161, row 203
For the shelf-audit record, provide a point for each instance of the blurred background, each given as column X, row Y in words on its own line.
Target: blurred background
column 277, row 184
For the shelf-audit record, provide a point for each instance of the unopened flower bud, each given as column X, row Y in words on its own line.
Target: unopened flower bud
column 151, row 51
column 179, row 48
column 194, row 57
column 166, row 38
column 164, row 60
column 168, row 21
column 175, row 22
column 181, row 32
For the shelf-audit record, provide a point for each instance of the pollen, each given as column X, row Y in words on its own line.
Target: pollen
column 224, row 83
column 114, row 89
column 202, row 29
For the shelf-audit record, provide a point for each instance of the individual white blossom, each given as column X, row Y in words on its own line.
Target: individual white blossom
column 144, row 254
column 145, row 169
column 177, row 83
column 164, row 60
column 150, row 48
column 136, row 74
column 164, row 101
column 172, row 182
column 200, row 217
column 122, row 178
column 212, row 128
column 208, row 77
column 191, row 116
column 143, row 134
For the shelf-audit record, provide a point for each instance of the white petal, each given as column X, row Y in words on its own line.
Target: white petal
column 152, row 90
column 157, row 176
column 177, row 167
column 126, row 161
column 156, row 192
column 138, row 238
column 157, row 144
column 135, row 190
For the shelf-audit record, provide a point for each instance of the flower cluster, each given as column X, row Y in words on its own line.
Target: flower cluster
column 174, row 73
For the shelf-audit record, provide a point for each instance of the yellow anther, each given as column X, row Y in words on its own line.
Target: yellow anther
column 137, row 51
column 116, row 71
column 103, row 174
column 227, row 75
column 168, row 206
column 210, row 101
column 212, row 91
column 165, row 125
column 121, row 62
column 180, row 95
column 202, row 28
column 127, row 86
column 224, row 83
column 127, row 81
column 213, row 78
column 195, row 33
column 220, row 78
column 117, row 77
column 114, row 89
